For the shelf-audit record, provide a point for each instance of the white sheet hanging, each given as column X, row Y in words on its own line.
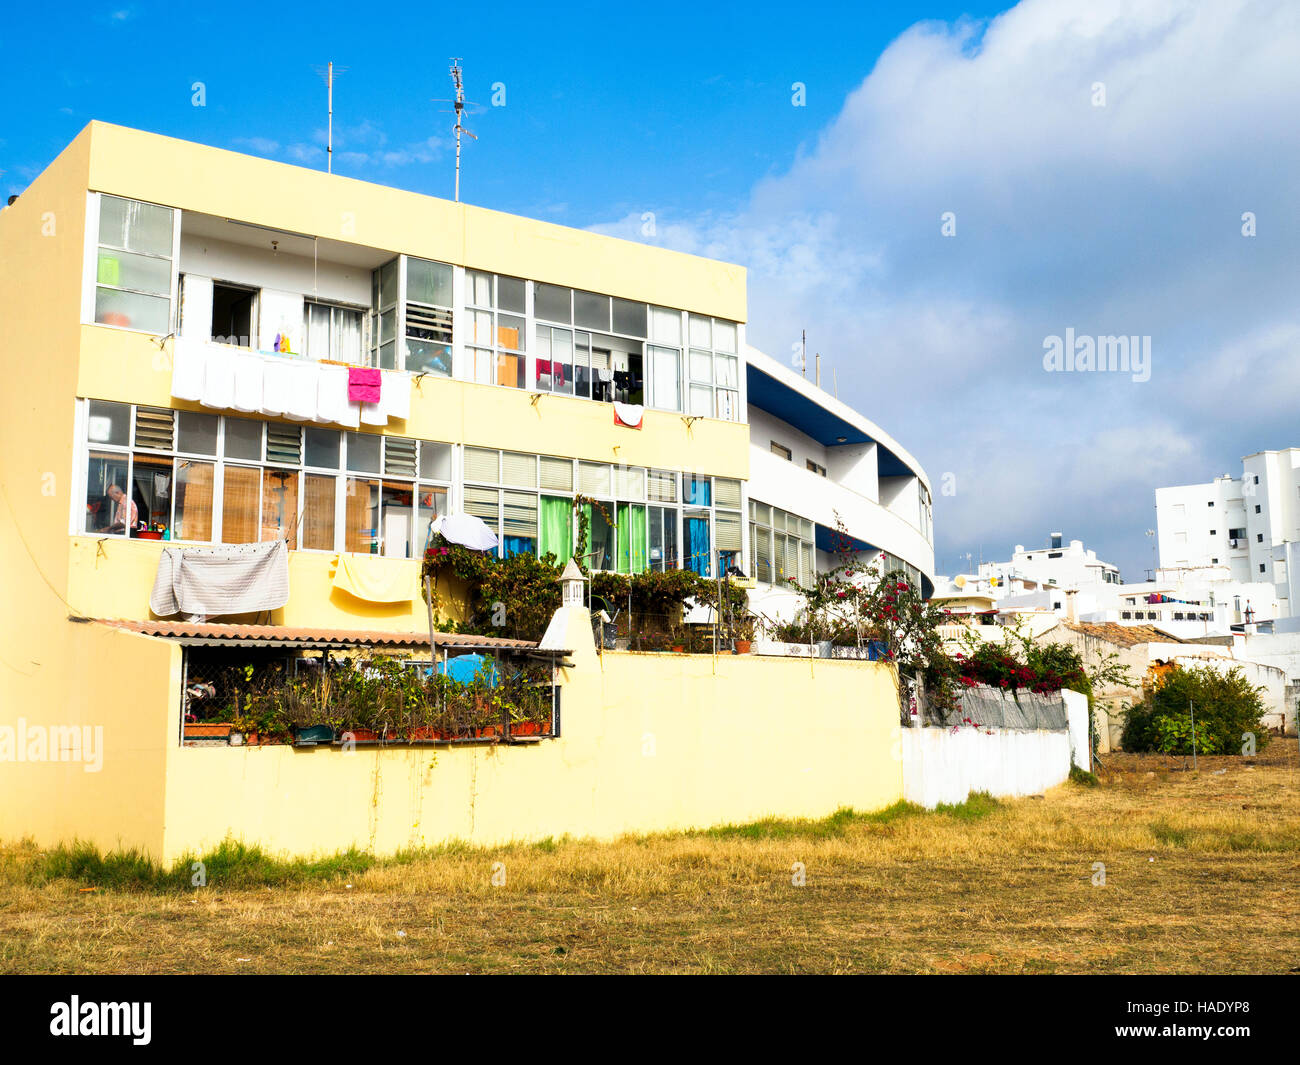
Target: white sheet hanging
column 188, row 369
column 249, row 374
column 277, row 383
column 218, row 377
column 395, row 398
column 300, row 405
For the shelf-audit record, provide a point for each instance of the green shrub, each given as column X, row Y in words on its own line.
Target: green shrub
column 1226, row 707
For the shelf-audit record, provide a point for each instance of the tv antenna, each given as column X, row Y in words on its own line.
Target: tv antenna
column 329, row 73
column 459, row 106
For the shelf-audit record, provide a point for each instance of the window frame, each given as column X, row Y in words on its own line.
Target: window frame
column 90, row 266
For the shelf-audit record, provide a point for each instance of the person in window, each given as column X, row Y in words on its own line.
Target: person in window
column 125, row 513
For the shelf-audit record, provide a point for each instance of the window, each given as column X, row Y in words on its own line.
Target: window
column 427, row 316
column 1261, row 567
column 1236, row 534
column 714, row 368
column 384, row 294
column 1210, row 503
column 134, row 267
column 203, row 478
column 783, row 451
column 332, row 332
column 1259, row 538
column 497, row 328
column 1256, row 508
column 1213, row 532
column 234, row 315
column 816, row 468
column 782, row 545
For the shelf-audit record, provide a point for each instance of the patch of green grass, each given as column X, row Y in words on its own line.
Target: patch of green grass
column 977, row 806
column 1165, row 833
column 1082, row 776
column 234, row 864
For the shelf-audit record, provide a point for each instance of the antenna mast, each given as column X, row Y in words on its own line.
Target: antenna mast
column 459, row 104
column 329, row 73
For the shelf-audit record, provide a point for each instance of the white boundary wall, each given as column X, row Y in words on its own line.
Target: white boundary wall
column 945, row 766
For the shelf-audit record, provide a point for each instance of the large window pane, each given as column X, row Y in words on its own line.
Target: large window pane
column 135, row 226
column 123, row 269
column 193, row 518
column 665, row 370
column 280, row 505
column 105, row 507
column 364, row 452
column 435, row 461
column 510, row 294
column 241, row 505
column 132, row 310
column 630, row 318
column 398, row 516
column 591, row 310
column 197, row 433
column 318, row 512
column 432, row 504
column 151, row 490
column 551, row 303
column 361, row 516
column 243, row 439
column 428, row 282
column 323, row 448
column 109, row 423
column 665, row 326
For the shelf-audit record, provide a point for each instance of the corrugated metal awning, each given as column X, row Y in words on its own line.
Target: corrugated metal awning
column 210, row 634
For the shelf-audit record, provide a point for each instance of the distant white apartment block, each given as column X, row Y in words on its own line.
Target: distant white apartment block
column 1242, row 529
column 1064, row 565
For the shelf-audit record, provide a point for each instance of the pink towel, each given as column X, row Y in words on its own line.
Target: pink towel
column 363, row 385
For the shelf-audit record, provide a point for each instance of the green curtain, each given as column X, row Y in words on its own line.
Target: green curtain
column 631, row 538
column 638, row 540
column 555, row 529
column 624, row 544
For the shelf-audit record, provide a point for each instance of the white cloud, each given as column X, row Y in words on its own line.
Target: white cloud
column 1122, row 219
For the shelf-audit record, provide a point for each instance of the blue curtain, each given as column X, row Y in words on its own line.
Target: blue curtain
column 697, row 543
column 699, row 490
column 518, row 545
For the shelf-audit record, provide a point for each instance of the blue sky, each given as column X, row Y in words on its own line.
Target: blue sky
column 1118, row 218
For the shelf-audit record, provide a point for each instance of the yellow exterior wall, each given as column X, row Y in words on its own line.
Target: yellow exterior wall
column 649, row 743
column 194, row 177
column 54, row 673
column 130, row 368
column 112, row 578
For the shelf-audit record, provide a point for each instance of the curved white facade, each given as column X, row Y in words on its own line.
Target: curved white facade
column 816, row 459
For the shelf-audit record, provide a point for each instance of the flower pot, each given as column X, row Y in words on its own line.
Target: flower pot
column 679, row 649
column 358, row 735
column 488, row 731
column 425, row 733
column 207, row 731
column 313, row 734
column 743, row 647
column 525, row 728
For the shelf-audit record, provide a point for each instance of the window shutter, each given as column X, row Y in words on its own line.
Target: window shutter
column 399, row 456
column 153, row 428
column 283, row 444
column 428, row 323
column 557, row 474
column 593, row 478
column 791, row 557
column 482, row 503
column 805, row 564
column 726, row 531
column 663, row 486
column 726, row 492
column 518, row 469
column 482, row 464
column 521, row 514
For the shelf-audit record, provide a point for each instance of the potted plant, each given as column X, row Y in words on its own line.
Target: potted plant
column 744, row 641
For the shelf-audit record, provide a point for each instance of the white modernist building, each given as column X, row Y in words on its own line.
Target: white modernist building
column 1244, row 530
column 818, row 467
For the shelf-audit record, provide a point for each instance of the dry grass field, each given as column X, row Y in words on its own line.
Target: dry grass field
column 1202, row 874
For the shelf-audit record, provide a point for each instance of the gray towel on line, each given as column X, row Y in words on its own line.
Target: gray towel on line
column 230, row 579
